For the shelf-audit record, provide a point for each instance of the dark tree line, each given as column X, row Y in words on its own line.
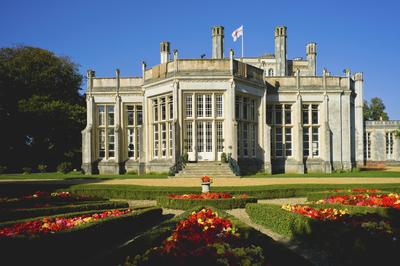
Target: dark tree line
column 41, row 110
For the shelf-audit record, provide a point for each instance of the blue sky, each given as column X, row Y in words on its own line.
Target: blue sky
column 104, row 35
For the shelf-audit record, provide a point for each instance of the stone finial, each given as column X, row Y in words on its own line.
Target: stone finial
column 347, row 72
column 117, row 72
column 280, row 31
column 359, row 76
column 231, row 53
column 175, row 54
column 311, row 48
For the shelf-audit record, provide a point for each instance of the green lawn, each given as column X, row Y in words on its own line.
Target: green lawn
column 79, row 175
column 371, row 173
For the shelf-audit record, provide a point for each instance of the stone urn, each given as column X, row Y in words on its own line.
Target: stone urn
column 205, row 184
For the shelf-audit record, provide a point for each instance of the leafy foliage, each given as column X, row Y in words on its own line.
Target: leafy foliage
column 41, row 110
column 375, row 110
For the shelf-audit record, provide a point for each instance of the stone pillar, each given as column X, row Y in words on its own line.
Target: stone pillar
column 326, row 136
column 217, row 42
column 117, row 128
column 359, row 118
column 346, row 132
column 142, row 152
column 311, row 52
column 297, row 134
column 88, row 142
column 177, row 123
column 164, row 52
column 265, row 134
column 230, row 122
column 280, row 51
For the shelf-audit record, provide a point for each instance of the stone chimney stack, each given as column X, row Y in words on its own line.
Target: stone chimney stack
column 164, row 52
column 311, row 51
column 218, row 42
column 280, row 51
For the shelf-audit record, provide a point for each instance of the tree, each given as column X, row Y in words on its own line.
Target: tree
column 41, row 110
column 375, row 110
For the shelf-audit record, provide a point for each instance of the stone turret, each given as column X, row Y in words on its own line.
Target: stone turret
column 311, row 51
column 164, row 52
column 280, row 51
column 218, row 42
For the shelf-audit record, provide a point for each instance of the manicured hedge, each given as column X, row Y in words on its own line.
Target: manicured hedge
column 274, row 252
column 15, row 214
column 260, row 192
column 185, row 204
column 78, row 245
column 345, row 245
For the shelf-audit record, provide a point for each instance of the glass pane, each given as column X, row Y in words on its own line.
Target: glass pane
column 110, row 111
column 288, row 114
column 245, row 106
column 314, row 114
column 130, row 113
column 139, row 115
column 200, row 137
column 189, row 106
column 269, row 114
column 219, row 105
column 208, row 105
column 200, row 106
column 102, row 116
column 278, row 115
column 171, row 107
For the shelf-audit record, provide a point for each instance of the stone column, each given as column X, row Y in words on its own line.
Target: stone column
column 231, row 122
column 142, row 159
column 177, row 122
column 346, row 132
column 117, row 122
column 297, row 134
column 326, row 136
column 265, row 134
column 88, row 142
column 359, row 118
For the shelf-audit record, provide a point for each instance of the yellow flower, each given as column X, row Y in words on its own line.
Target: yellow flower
column 200, row 221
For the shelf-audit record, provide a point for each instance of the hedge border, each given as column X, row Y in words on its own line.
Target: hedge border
column 260, row 192
column 275, row 253
column 16, row 214
column 344, row 245
column 185, row 204
column 79, row 244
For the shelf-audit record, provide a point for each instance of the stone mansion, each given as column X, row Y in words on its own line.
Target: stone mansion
column 268, row 113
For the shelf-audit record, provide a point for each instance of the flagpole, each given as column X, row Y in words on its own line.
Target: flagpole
column 242, row 40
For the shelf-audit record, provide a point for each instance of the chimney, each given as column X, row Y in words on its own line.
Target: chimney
column 218, row 42
column 164, row 52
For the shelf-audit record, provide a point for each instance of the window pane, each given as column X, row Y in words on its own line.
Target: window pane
column 220, row 135
column 208, row 105
column 102, row 143
column 189, row 136
column 200, row 137
column 245, row 106
column 288, row 114
column 237, row 107
column 155, row 110
column 171, row 107
column 139, row 114
column 110, row 111
column 219, row 105
column 306, row 141
column 315, row 142
column 278, row 115
column 131, row 142
column 102, row 116
column 305, row 114
column 314, row 114
column 163, row 109
column 130, row 115
column 189, row 105
column 200, row 106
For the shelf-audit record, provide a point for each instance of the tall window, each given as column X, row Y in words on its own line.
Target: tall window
column 200, row 105
column 279, row 116
column 310, row 115
column 189, row 136
column 389, row 136
column 218, row 99
column 270, row 72
column 106, row 137
column 189, row 105
column 220, row 136
column 134, row 118
column 247, row 126
column 162, row 127
column 367, row 145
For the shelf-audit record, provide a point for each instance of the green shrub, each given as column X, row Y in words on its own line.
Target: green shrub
column 27, row 170
column 185, row 204
column 224, row 159
column 64, row 167
column 42, row 168
column 186, row 157
column 3, row 169
column 131, row 172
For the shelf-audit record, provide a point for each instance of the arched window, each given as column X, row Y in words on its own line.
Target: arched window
column 270, row 72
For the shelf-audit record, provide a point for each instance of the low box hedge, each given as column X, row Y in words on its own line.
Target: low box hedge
column 185, row 204
column 344, row 245
column 260, row 192
column 15, row 214
column 77, row 245
column 274, row 252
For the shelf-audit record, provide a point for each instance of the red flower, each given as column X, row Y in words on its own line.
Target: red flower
column 206, row 179
column 207, row 195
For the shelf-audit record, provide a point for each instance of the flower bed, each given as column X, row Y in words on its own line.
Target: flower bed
column 218, row 200
column 72, row 238
column 314, row 196
column 346, row 237
column 391, row 200
column 56, row 224
column 15, row 214
column 203, row 238
column 42, row 199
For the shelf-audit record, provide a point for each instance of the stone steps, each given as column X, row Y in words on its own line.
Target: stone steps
column 212, row 169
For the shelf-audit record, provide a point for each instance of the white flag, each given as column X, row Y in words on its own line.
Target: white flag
column 237, row 33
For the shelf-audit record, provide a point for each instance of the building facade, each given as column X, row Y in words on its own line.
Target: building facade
column 268, row 113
